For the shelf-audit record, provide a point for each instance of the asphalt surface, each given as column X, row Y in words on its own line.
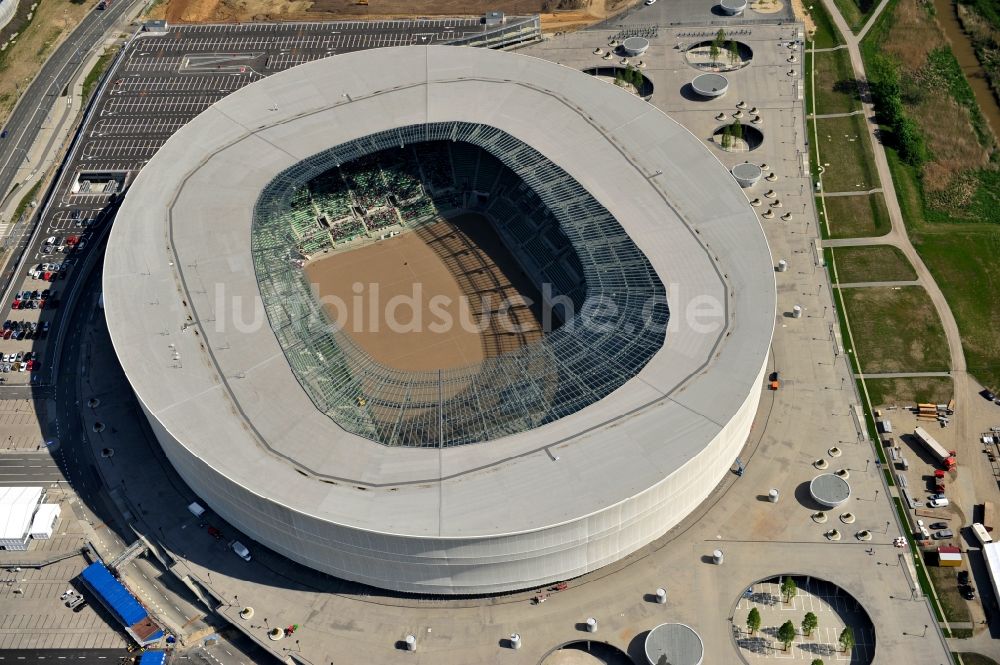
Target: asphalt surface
column 83, row 657
column 161, row 82
column 26, row 121
column 29, row 468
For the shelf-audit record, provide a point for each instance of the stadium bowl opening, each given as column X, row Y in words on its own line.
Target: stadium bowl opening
column 583, row 442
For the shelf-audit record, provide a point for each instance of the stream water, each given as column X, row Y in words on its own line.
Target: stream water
column 961, row 45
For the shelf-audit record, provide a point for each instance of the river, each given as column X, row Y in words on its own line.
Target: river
column 962, row 47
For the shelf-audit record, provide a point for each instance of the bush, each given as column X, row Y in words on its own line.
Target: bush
column 883, row 80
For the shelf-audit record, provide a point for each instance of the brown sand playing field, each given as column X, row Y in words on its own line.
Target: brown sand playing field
column 462, row 264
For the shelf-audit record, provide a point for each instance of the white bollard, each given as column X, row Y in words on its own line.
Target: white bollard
column 797, row 312
column 717, row 557
column 782, row 265
column 591, row 625
column 411, row 643
column 515, row 641
column 661, row 596
column 773, row 495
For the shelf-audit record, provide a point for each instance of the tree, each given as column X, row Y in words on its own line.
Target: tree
column 734, row 53
column 736, row 129
column 789, row 589
column 787, row 633
column 809, row 623
column 713, row 53
column 753, row 620
column 817, row 661
column 662, row 660
column 846, row 639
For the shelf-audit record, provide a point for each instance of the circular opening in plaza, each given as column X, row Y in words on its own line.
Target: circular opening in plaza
column 396, row 277
column 587, row 652
column 738, row 136
column 727, row 56
column 628, row 78
column 801, row 617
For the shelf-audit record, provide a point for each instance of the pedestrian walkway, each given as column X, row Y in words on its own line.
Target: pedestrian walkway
column 823, row 116
column 858, row 193
column 866, row 285
column 902, row 375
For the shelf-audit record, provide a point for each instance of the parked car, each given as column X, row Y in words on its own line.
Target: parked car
column 944, row 534
column 963, row 577
column 988, row 395
column 240, row 549
column 938, row 503
column 936, row 496
column 968, row 592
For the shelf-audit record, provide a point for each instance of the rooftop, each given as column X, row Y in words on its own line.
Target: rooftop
column 225, row 390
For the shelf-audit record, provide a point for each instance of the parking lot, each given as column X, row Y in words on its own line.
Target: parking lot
column 160, row 83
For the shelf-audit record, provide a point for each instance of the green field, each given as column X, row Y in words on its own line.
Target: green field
column 909, row 391
column 956, row 608
column 895, row 329
column 856, row 216
column 826, row 35
column 875, row 263
column 846, row 155
column 856, row 12
column 977, row 659
column 836, row 87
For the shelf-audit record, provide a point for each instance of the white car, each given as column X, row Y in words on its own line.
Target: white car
column 939, row 502
column 650, row 2
column 240, row 549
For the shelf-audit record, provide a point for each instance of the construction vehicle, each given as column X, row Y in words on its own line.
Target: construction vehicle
column 775, row 381
column 944, row 457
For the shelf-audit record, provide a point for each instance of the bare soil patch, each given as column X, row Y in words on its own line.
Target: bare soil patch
column 556, row 15
column 456, row 274
column 20, row 62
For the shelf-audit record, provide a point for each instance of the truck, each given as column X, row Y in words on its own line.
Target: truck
column 944, row 457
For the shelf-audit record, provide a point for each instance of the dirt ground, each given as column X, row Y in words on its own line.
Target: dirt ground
column 462, row 264
column 211, row 11
column 21, row 60
column 800, row 14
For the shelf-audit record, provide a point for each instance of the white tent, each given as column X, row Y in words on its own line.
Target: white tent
column 45, row 521
column 17, row 509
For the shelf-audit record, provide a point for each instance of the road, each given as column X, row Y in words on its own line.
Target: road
column 28, row 468
column 25, row 122
column 82, row 657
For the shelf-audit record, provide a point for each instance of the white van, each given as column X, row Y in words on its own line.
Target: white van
column 939, row 502
column 196, row 509
column 240, row 550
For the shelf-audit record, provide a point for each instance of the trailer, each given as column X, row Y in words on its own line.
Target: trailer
column 944, row 457
column 981, row 534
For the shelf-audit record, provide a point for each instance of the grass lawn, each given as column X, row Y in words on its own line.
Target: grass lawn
column 856, row 12
column 836, row 87
column 916, row 390
column 95, row 74
column 895, row 329
column 977, row 659
column 846, row 155
column 826, row 35
column 876, row 263
column 954, row 606
column 857, row 216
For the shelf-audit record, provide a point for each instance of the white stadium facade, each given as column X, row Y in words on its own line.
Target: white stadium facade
column 540, row 466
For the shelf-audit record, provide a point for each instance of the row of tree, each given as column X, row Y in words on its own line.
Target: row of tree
column 787, row 632
column 887, row 94
column 629, row 75
column 720, row 44
column 729, row 135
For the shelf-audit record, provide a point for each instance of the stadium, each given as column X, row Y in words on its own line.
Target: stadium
column 625, row 283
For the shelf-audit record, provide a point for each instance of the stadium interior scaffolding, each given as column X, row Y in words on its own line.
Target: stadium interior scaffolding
column 613, row 309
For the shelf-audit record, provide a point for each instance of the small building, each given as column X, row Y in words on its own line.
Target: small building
column 45, row 521
column 121, row 603
column 18, row 506
column 949, row 556
column 493, row 19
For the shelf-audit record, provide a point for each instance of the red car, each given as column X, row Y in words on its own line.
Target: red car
column 214, row 533
column 16, row 304
column 32, row 365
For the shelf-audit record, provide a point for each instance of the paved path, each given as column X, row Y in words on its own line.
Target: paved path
column 872, row 19
column 835, row 115
column 858, row 193
column 865, row 285
column 904, row 375
column 826, row 50
column 887, row 239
